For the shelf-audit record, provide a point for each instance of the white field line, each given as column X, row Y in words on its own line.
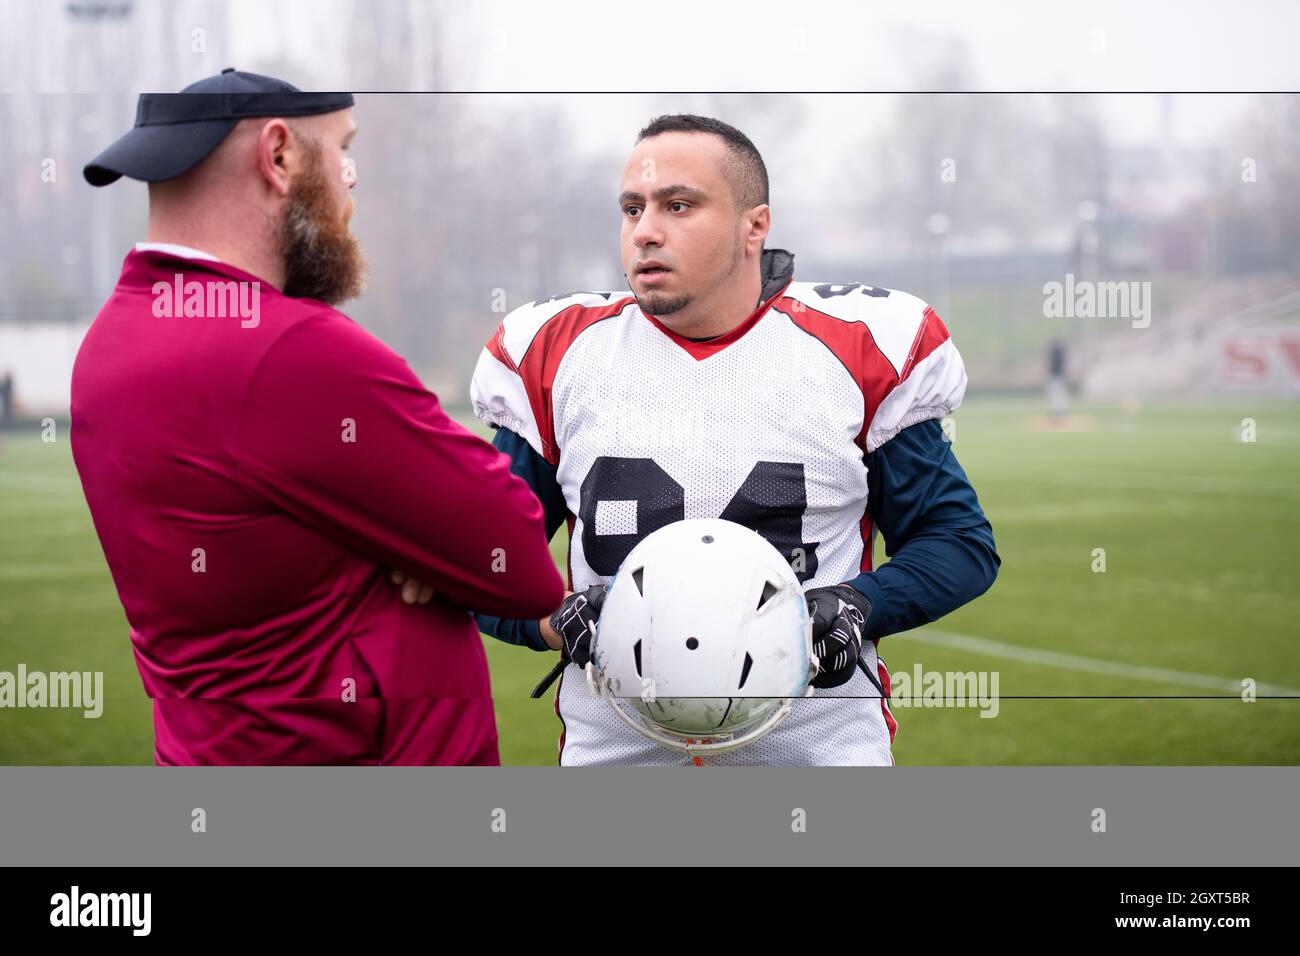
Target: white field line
column 1075, row 662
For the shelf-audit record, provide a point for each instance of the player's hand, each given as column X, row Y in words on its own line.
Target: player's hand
column 839, row 616
column 575, row 623
column 413, row 592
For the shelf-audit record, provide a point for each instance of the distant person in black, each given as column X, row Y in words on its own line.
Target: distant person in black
column 7, row 401
column 1058, row 390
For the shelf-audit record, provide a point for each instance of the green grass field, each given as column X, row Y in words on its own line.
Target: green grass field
column 1201, row 533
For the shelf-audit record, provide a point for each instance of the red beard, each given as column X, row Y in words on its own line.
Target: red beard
column 322, row 259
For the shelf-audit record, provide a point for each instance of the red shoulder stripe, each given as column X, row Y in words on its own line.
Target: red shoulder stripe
column 929, row 337
column 542, row 361
column 496, row 346
column 853, row 344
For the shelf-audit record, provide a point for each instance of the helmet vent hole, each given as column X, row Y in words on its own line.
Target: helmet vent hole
column 769, row 589
column 637, row 577
column 744, row 671
column 636, row 656
column 692, row 643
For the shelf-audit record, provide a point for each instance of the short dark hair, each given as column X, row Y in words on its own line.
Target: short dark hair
column 746, row 172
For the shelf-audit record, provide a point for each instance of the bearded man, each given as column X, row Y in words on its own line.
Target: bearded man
column 256, row 463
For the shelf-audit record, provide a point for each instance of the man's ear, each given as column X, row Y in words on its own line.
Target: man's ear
column 273, row 147
column 758, row 222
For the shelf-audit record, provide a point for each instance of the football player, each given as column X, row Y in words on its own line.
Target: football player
column 721, row 387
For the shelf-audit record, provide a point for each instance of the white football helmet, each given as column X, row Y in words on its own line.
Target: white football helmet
column 704, row 638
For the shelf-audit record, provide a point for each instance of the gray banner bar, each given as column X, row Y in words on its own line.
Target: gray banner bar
column 1172, row 816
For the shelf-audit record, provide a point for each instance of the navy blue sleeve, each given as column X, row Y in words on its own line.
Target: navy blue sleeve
column 938, row 540
column 540, row 475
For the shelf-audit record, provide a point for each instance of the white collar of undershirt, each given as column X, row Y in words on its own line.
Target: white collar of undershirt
column 185, row 252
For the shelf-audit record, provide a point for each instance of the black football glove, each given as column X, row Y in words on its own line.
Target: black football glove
column 575, row 622
column 839, row 616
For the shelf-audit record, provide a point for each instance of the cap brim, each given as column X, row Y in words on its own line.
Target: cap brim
column 155, row 154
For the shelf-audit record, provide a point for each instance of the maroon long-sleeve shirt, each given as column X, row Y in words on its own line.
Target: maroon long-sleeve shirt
column 251, row 479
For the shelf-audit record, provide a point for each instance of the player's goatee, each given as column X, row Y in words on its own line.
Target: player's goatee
column 657, row 305
column 322, row 259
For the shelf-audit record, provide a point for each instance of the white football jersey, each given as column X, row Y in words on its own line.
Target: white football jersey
column 766, row 426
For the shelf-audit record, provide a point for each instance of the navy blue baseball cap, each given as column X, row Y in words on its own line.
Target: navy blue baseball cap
column 174, row 132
